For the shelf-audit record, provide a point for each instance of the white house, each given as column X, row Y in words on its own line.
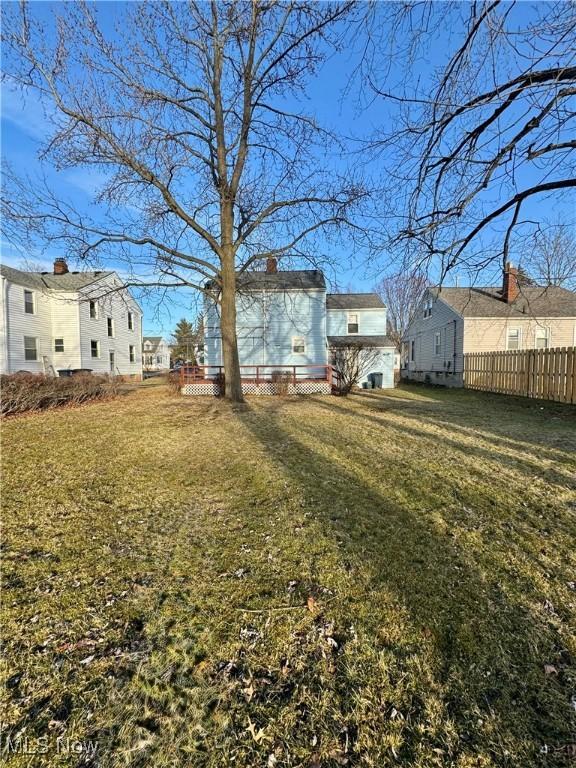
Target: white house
column 61, row 320
column 155, row 353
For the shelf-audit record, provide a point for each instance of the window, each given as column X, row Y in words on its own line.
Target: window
column 111, row 358
column 30, row 348
column 158, row 359
column 93, row 310
column 412, row 350
column 514, row 338
column 132, row 353
column 95, row 348
column 352, row 323
column 110, row 327
column 437, row 344
column 298, row 345
column 130, row 321
column 428, row 307
column 28, row 302
column 542, row 338
column 58, row 345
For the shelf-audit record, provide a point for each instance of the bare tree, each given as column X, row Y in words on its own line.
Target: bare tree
column 480, row 139
column 351, row 361
column 184, row 107
column 401, row 293
column 552, row 258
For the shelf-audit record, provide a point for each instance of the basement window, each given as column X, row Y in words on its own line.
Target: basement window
column 30, row 348
column 298, row 345
column 58, row 345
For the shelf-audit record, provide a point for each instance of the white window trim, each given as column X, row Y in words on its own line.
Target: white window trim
column 303, row 344
column 130, row 321
column 131, row 353
column 437, row 347
column 33, row 295
column 547, row 335
column 97, row 356
column 29, row 359
column 110, row 324
column 513, row 328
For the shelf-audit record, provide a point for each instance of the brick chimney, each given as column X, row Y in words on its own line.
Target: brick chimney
column 271, row 266
column 60, row 266
column 510, row 288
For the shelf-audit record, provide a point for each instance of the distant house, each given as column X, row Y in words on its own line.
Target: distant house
column 63, row 321
column 451, row 322
column 155, row 353
column 285, row 319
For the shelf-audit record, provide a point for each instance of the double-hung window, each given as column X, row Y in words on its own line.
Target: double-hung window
column 542, row 338
column 95, row 348
column 30, row 348
column 132, row 353
column 298, row 345
column 110, row 327
column 29, row 308
column 130, row 321
column 352, row 322
column 58, row 345
column 514, row 338
column 93, row 310
column 437, row 344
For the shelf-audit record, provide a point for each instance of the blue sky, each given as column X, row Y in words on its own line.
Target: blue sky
column 24, row 130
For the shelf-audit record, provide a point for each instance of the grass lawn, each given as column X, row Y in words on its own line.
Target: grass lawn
column 383, row 580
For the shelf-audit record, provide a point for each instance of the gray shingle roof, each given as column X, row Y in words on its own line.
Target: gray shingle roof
column 282, row 280
column 364, row 341
column 354, row 301
column 535, row 301
column 71, row 281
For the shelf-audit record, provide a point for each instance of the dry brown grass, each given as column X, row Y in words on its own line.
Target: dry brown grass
column 377, row 581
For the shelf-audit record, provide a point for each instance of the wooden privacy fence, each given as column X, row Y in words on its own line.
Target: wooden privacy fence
column 547, row 374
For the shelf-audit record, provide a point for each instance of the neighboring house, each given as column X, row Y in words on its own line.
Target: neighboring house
column 451, row 322
column 62, row 320
column 155, row 353
column 286, row 318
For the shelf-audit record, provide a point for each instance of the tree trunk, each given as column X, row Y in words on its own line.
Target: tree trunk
column 233, row 382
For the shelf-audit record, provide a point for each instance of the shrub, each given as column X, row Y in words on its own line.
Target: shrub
column 173, row 379
column 22, row 392
column 281, row 381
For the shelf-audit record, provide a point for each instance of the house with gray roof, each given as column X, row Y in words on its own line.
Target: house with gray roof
column 155, row 353
column 451, row 322
column 62, row 321
column 286, row 321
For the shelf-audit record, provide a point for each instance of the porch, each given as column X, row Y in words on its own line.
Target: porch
column 260, row 379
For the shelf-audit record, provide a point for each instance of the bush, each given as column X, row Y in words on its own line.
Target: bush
column 281, row 381
column 173, row 379
column 22, row 392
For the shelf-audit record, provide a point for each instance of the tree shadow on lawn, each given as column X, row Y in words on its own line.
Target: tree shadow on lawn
column 519, row 455
column 489, row 648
